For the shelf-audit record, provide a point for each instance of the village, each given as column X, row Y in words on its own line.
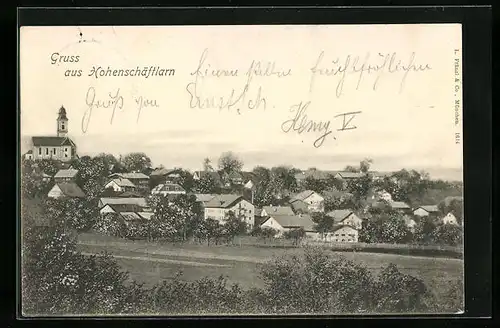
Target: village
column 313, row 204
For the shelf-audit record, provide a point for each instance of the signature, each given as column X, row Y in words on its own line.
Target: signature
column 388, row 63
column 300, row 123
column 113, row 101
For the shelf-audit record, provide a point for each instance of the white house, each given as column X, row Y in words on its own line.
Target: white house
column 346, row 217
column 314, row 201
column 219, row 206
column 343, row 234
column 120, row 185
column 450, row 219
column 140, row 180
column 66, row 189
column 276, row 210
column 425, row 210
column 285, row 223
column 168, row 189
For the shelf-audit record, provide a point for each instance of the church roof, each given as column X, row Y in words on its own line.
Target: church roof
column 52, row 141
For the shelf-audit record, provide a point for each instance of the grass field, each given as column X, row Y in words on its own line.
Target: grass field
column 151, row 263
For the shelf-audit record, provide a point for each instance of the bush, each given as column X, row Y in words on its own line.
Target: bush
column 204, row 296
column 319, row 283
column 56, row 279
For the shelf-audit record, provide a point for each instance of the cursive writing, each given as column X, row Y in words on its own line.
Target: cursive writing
column 144, row 103
column 114, row 100
column 387, row 63
column 236, row 98
column 300, row 123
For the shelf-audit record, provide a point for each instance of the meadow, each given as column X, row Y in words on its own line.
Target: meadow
column 150, row 263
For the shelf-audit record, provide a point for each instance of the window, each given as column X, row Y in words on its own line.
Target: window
column 40, row 151
column 46, row 151
column 55, row 150
column 343, row 240
column 65, row 155
column 62, row 126
column 343, row 235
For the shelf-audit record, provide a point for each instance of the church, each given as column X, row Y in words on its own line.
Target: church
column 59, row 147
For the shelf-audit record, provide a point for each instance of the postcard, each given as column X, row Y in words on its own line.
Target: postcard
column 241, row 170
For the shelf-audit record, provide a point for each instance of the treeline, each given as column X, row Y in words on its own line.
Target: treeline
column 272, row 185
column 59, row 280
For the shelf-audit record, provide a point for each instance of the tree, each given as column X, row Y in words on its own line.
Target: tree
column 313, row 184
column 72, row 213
column 186, row 180
column 111, row 224
column 350, row 168
column 234, row 225
column 111, row 163
column 136, row 162
column 360, row 188
column 395, row 230
column 207, row 164
column 229, row 162
column 424, row 230
column 396, row 292
column 33, row 183
column 213, row 230
column 364, row 165
column 284, row 177
column 58, row 280
column 295, row 234
column 371, row 232
column 93, row 173
column 448, row 234
column 207, row 185
column 324, row 223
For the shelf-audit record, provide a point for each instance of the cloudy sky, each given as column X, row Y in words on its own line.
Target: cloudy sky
column 411, row 126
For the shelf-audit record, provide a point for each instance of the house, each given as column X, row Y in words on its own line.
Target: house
column 198, row 175
column 168, row 189
column 380, row 175
column 345, row 175
column 66, row 189
column 314, row 201
column 119, row 208
column 65, row 175
column 59, row 147
column 166, row 174
column 146, row 215
column 140, row 180
column 204, row 198
column 400, row 206
column 299, row 206
column 219, row 206
column 141, row 201
column 346, row 217
column 120, row 185
column 343, row 234
column 426, row 210
column 450, row 218
column 285, row 223
column 233, row 177
column 276, row 210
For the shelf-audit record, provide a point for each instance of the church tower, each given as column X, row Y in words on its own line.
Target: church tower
column 62, row 123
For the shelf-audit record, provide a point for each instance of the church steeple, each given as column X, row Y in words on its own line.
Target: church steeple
column 62, row 123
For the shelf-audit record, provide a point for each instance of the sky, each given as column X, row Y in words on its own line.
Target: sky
column 398, row 127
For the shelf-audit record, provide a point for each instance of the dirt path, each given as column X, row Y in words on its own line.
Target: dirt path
column 180, row 252
column 155, row 259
